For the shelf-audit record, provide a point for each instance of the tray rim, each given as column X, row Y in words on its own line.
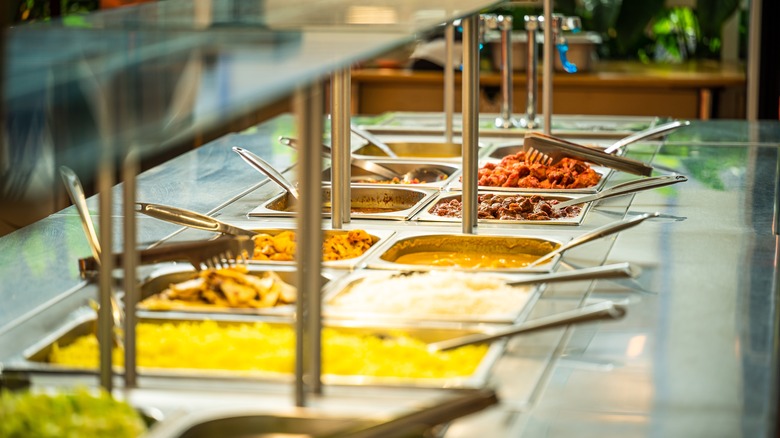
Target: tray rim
column 424, row 215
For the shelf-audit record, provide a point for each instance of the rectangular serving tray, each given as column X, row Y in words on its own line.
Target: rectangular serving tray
column 376, row 202
column 425, row 214
column 35, row 358
column 411, row 242
column 359, row 176
column 499, row 151
column 510, row 315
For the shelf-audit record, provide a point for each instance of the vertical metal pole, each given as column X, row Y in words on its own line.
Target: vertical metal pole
column 532, row 81
column 470, row 107
column 547, row 78
column 337, row 149
column 130, row 170
column 753, row 59
column 342, row 147
column 105, row 183
column 449, row 81
column 307, row 104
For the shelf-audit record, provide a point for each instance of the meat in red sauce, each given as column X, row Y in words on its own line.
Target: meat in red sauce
column 513, row 171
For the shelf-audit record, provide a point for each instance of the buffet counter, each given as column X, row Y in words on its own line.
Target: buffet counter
column 695, row 354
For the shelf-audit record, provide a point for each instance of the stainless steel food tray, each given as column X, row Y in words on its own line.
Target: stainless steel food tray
column 513, row 312
column 497, row 152
column 376, row 202
column 416, row 147
column 407, row 243
column 379, row 237
column 158, row 280
column 425, row 214
column 35, row 358
column 451, row 170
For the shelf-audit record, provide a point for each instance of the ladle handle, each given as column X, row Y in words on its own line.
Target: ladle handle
column 266, row 168
column 369, row 166
column 646, row 134
column 600, row 232
column 371, row 138
column 600, row 311
column 626, row 188
column 617, row 270
column 187, row 218
column 79, row 199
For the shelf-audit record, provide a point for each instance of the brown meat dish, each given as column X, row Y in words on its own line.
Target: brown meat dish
column 513, row 171
column 508, row 207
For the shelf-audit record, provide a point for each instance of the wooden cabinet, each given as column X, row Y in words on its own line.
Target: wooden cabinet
column 692, row 91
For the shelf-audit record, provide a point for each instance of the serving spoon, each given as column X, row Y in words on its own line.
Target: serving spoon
column 646, row 134
column 418, row 175
column 605, row 310
column 597, row 233
column 265, row 167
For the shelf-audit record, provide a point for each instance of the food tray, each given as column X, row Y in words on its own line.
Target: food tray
column 368, row 202
column 464, row 243
column 401, row 167
column 497, row 152
column 425, row 214
column 160, row 279
column 35, row 358
column 406, row 149
column 378, row 237
column 513, row 309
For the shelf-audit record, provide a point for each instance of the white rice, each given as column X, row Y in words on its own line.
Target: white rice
column 448, row 293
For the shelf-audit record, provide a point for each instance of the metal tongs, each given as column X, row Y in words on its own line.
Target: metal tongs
column 222, row 252
column 625, row 188
column 605, row 310
column 549, row 150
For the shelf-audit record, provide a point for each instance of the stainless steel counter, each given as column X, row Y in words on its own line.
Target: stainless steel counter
column 695, row 356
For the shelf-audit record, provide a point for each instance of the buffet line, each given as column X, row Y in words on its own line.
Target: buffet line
column 444, row 302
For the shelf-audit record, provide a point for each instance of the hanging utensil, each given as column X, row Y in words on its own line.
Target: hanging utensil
column 548, row 150
column 600, row 232
column 617, row 270
column 645, row 134
column 368, row 166
column 78, row 198
column 264, row 167
column 187, row 218
column 625, row 189
column 422, row 174
column 606, row 310
column 371, row 138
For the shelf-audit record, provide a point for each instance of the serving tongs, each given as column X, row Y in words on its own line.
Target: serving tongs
column 548, row 150
column 625, row 188
column 605, row 310
column 223, row 252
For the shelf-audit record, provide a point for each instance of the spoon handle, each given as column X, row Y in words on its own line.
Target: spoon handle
column 646, row 134
column 187, row 218
column 600, row 232
column 371, row 138
column 265, row 167
column 594, row 312
column 626, row 188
